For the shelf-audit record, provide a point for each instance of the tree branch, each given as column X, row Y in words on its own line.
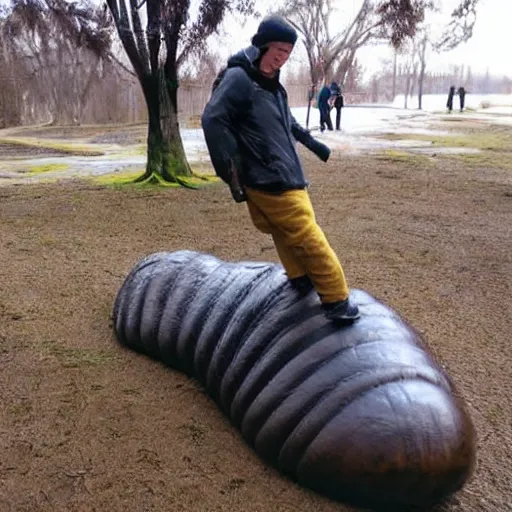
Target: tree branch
column 139, row 34
column 114, row 59
column 120, row 15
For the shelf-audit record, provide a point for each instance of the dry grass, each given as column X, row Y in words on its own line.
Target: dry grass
column 86, row 425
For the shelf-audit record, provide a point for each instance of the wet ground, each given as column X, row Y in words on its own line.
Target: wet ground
column 123, row 147
column 117, row 149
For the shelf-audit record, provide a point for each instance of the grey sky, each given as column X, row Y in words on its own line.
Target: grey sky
column 488, row 48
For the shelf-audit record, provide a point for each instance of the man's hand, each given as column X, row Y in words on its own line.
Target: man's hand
column 238, row 194
column 237, row 190
column 320, row 150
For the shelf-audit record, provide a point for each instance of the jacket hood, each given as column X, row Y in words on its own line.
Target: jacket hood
column 248, row 59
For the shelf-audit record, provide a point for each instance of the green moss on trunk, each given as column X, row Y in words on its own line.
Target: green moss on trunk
column 166, row 158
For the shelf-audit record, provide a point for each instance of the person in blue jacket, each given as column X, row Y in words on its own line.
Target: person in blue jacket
column 251, row 136
column 325, row 108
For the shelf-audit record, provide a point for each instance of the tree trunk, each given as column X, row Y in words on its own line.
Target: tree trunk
column 413, row 80
column 421, row 80
column 407, row 86
column 166, row 159
column 155, row 151
column 58, row 107
column 375, row 91
column 176, row 159
column 60, row 115
column 393, row 93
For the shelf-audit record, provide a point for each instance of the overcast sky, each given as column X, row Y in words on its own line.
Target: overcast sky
column 489, row 48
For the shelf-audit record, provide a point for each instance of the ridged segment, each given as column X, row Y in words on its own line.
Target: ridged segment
column 361, row 413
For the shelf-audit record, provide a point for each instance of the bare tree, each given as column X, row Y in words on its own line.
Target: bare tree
column 9, row 86
column 395, row 56
column 203, row 70
column 458, row 30
column 332, row 54
column 156, row 52
column 422, row 55
column 63, row 46
column 354, row 77
column 412, row 71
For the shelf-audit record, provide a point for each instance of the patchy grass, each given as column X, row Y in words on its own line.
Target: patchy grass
column 486, row 159
column 484, row 138
column 118, row 178
column 44, row 168
column 65, row 149
column 76, row 357
column 494, row 143
column 204, row 173
column 141, row 149
column 20, row 408
column 404, row 157
column 132, row 150
column 127, row 178
column 199, row 180
column 193, row 122
column 78, row 132
column 48, row 240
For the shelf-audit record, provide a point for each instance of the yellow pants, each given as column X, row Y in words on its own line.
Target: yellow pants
column 300, row 242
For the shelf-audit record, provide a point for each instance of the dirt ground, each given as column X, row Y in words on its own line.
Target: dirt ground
column 86, row 425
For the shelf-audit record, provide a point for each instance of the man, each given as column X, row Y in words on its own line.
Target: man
column 325, row 108
column 338, row 102
column 251, row 137
column 462, row 95
column 449, row 102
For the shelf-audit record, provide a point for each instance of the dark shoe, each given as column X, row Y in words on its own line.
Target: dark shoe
column 302, row 284
column 343, row 312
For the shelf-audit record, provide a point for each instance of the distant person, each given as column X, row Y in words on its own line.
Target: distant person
column 251, row 136
column 462, row 96
column 338, row 102
column 325, row 108
column 449, row 103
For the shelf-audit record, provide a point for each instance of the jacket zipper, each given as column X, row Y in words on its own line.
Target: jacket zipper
column 286, row 126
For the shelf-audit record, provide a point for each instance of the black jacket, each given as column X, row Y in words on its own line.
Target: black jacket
column 338, row 102
column 248, row 127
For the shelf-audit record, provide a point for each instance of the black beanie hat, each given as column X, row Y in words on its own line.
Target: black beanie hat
column 274, row 29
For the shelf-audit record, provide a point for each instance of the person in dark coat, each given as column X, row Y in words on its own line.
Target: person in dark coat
column 449, row 103
column 325, row 108
column 251, row 136
column 462, row 96
column 338, row 102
